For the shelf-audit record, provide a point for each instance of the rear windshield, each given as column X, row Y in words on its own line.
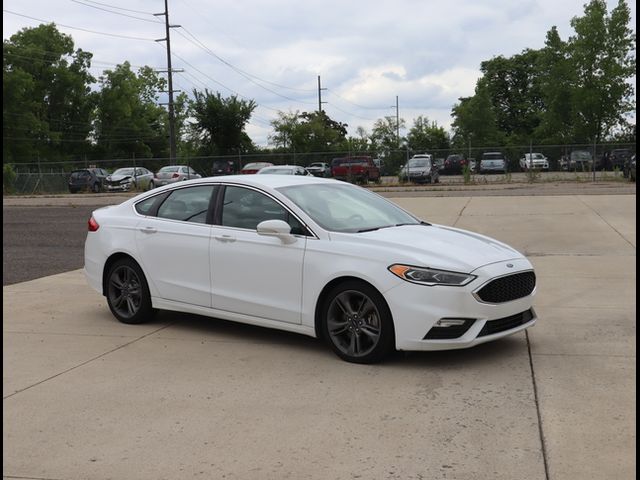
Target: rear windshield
column 169, row 169
column 80, row 174
column 493, row 156
column 421, row 162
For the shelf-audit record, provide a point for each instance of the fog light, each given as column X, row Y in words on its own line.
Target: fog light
column 450, row 322
column 448, row 328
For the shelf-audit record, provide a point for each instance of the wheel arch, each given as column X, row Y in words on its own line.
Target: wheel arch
column 323, row 296
column 110, row 261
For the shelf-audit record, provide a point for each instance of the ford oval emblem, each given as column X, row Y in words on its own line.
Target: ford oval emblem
column 510, row 265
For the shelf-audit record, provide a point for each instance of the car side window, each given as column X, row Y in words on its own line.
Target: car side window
column 187, row 204
column 246, row 208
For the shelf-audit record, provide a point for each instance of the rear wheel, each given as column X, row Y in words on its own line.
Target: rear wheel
column 128, row 293
column 357, row 324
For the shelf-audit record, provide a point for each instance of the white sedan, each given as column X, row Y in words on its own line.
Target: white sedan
column 315, row 256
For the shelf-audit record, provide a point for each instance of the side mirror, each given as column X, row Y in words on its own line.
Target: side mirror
column 276, row 228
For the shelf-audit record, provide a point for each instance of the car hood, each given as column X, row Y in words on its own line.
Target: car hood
column 118, row 178
column 435, row 246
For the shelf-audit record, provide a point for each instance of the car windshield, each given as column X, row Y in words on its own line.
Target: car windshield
column 581, row 155
column 79, row 174
column 420, row 162
column 493, row 156
column 345, row 208
column 316, row 165
column 123, row 171
column 169, row 169
column 250, row 166
column 277, row 171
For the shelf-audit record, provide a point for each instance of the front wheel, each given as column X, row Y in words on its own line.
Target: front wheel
column 357, row 323
column 128, row 293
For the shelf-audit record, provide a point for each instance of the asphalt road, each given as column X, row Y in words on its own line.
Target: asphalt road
column 45, row 235
column 41, row 241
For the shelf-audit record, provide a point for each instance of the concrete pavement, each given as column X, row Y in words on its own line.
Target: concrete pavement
column 85, row 397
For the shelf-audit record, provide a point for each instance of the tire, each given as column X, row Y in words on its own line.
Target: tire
column 96, row 188
column 127, row 292
column 356, row 323
column 151, row 185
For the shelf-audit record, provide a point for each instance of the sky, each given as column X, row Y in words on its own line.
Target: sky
column 366, row 53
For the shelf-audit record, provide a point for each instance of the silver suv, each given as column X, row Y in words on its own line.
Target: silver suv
column 493, row 162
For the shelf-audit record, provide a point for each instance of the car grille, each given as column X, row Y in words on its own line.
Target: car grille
column 506, row 323
column 505, row 289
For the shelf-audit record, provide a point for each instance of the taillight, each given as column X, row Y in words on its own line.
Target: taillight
column 175, row 175
column 93, row 225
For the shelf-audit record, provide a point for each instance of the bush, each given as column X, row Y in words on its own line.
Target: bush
column 8, row 179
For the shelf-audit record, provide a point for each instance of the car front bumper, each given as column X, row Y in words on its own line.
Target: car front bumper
column 417, row 308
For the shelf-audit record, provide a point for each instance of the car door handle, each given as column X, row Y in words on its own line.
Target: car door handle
column 224, row 238
column 148, row 230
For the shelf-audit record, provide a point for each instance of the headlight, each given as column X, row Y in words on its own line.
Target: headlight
column 430, row 276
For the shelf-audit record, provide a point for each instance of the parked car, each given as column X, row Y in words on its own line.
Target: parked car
column 493, row 162
column 174, row 173
column 251, row 168
column 129, row 178
column 454, row 164
column 90, row 179
column 284, row 170
column 222, row 167
column 376, row 278
column 440, row 164
column 380, row 164
column 420, row 169
column 319, row 169
column 473, row 165
column 619, row 158
column 534, row 161
column 577, row 160
column 357, row 169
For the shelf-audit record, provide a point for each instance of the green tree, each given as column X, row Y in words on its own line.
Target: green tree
column 603, row 56
column 308, row 132
column 557, row 79
column 129, row 121
column 474, row 120
column 425, row 135
column 513, row 87
column 220, row 122
column 384, row 140
column 47, row 101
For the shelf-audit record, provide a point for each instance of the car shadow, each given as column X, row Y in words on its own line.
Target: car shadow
column 215, row 329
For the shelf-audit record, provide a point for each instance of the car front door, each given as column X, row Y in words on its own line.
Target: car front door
column 174, row 245
column 254, row 274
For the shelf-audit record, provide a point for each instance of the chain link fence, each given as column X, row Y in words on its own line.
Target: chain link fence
column 52, row 177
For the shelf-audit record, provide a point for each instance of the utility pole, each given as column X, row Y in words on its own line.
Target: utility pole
column 172, row 119
column 320, row 102
column 397, row 122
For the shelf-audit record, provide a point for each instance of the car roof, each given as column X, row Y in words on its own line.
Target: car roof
column 271, row 181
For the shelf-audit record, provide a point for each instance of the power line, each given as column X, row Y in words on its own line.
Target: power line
column 118, row 8
column 78, row 28
column 115, row 13
column 237, row 70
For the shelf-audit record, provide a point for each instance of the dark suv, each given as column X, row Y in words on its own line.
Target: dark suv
column 454, row 164
column 222, row 167
column 620, row 158
column 87, row 179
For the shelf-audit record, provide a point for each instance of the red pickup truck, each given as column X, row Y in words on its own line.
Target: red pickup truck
column 355, row 169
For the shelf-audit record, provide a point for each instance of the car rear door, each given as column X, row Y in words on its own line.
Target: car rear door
column 174, row 245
